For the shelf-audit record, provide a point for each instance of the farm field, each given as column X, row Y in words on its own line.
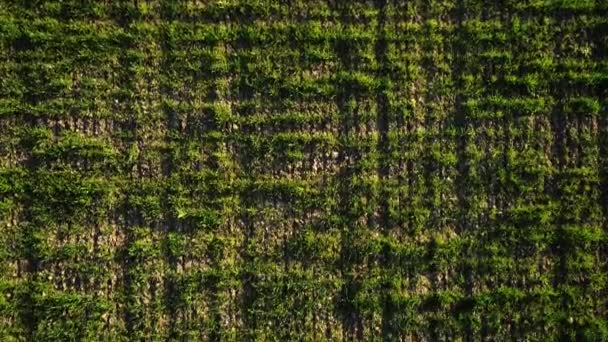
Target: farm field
column 303, row 170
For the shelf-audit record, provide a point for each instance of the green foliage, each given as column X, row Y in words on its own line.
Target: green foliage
column 313, row 170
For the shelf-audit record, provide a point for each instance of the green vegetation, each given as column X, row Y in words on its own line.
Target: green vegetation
column 303, row 170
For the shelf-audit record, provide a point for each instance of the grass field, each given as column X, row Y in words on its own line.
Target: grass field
column 304, row 170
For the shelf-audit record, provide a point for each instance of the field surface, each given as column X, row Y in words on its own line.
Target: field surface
column 304, row 170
